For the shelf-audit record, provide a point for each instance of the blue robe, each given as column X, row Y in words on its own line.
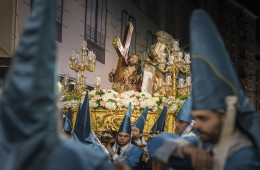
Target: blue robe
column 131, row 157
column 244, row 158
column 68, row 156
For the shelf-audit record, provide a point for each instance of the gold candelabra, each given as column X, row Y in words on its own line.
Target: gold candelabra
column 81, row 66
column 171, row 61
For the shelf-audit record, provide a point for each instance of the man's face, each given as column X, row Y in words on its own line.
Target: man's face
column 136, row 134
column 122, row 139
column 208, row 124
column 180, row 126
column 132, row 60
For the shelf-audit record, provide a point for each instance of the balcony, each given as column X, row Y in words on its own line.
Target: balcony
column 95, row 36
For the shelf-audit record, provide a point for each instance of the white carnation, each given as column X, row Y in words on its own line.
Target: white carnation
column 173, row 107
column 93, row 104
column 128, row 93
column 110, row 105
column 112, row 92
column 93, row 92
column 108, row 96
column 145, row 95
column 71, row 103
column 154, row 99
column 149, row 103
column 125, row 102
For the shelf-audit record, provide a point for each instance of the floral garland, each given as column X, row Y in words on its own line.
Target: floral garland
column 111, row 100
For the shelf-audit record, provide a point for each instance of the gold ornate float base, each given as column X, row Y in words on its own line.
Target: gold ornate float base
column 105, row 120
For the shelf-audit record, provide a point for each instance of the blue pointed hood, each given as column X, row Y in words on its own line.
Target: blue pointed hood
column 28, row 103
column 82, row 129
column 159, row 124
column 185, row 112
column 214, row 77
column 80, row 106
column 126, row 123
column 67, row 122
column 140, row 122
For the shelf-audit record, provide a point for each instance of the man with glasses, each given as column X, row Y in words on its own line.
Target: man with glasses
column 122, row 150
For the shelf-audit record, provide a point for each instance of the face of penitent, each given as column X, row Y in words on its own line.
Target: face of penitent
column 208, row 124
column 122, row 139
column 180, row 126
column 136, row 134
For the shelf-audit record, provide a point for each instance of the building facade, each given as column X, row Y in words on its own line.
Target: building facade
column 99, row 21
column 238, row 28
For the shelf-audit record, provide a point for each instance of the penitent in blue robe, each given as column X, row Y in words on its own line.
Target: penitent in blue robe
column 241, row 158
column 131, row 157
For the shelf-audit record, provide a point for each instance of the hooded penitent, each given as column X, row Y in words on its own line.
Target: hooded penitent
column 27, row 107
column 140, row 122
column 126, row 123
column 159, row 124
column 82, row 131
column 67, row 122
column 185, row 112
column 214, row 77
column 29, row 138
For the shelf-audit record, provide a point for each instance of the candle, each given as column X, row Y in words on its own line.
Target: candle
column 160, row 82
column 65, row 80
column 85, row 82
column 176, row 43
column 187, row 57
column 181, row 82
column 98, row 80
column 176, row 48
column 78, row 79
column 162, row 59
column 72, row 58
column 84, row 45
column 188, row 80
column 92, row 56
column 168, row 79
column 76, row 57
column 171, row 59
column 180, row 55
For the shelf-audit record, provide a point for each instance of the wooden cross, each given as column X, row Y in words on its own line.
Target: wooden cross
column 123, row 48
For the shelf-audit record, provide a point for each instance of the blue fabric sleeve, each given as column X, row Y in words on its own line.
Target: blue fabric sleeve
column 245, row 158
column 132, row 157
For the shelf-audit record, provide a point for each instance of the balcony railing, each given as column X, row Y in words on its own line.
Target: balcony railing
column 95, row 36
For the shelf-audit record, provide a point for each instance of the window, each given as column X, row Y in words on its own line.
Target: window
column 95, row 27
column 125, row 18
column 59, row 14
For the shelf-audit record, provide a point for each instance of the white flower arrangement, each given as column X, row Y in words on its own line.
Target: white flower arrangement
column 111, row 100
column 110, row 105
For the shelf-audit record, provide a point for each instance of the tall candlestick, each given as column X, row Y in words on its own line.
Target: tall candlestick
column 168, row 79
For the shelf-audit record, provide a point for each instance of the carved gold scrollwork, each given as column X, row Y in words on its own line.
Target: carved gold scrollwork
column 104, row 120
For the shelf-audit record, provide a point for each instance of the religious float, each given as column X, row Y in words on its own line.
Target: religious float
column 171, row 86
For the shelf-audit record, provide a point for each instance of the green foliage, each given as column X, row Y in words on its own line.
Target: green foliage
column 156, row 90
column 182, row 48
column 71, row 96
